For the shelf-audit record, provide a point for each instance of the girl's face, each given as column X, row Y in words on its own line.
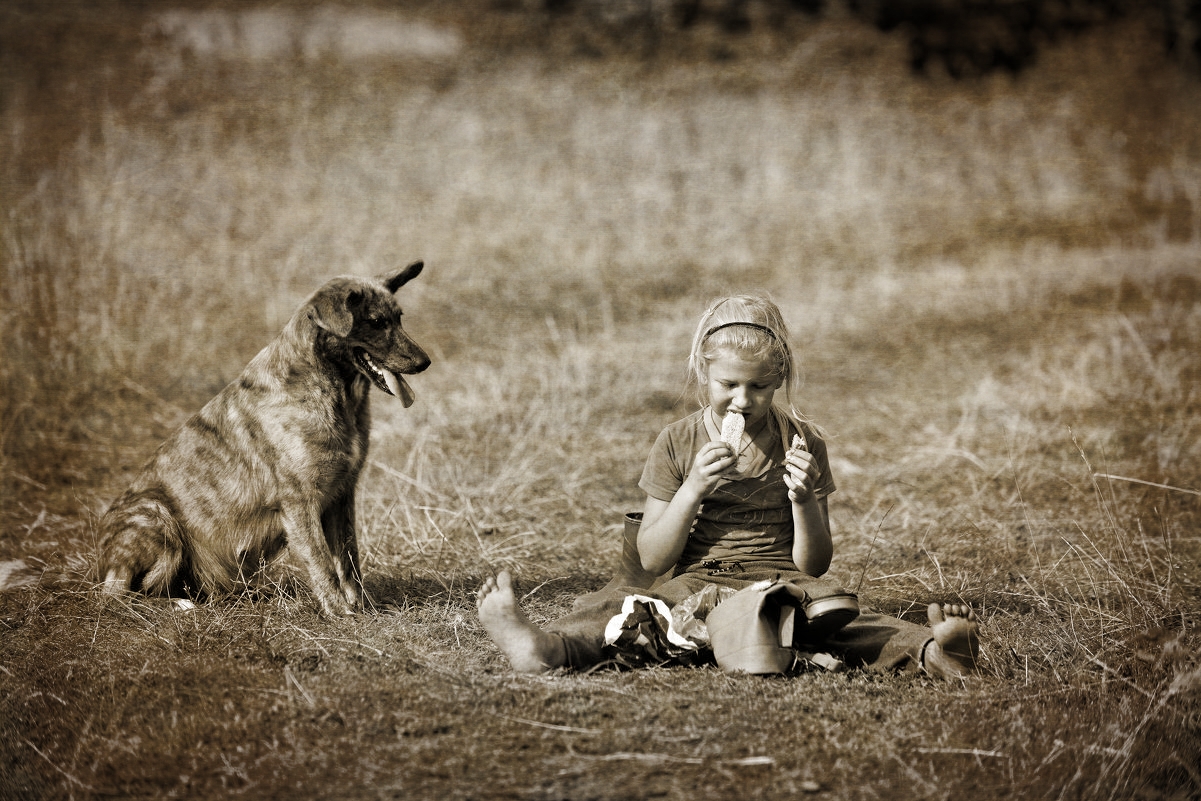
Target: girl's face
column 742, row 386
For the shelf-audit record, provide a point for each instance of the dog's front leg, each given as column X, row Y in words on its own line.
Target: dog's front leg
column 302, row 524
column 339, row 525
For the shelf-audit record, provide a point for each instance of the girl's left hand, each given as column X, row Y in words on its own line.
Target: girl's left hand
column 800, row 475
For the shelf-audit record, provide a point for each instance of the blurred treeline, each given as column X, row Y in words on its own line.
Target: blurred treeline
column 963, row 37
column 61, row 61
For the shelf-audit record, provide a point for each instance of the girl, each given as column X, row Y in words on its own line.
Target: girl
column 735, row 516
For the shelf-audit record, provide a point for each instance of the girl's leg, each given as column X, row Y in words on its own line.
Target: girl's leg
column 948, row 648
column 576, row 640
column 582, row 631
column 528, row 648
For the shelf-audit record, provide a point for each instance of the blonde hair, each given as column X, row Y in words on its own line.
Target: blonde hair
column 752, row 327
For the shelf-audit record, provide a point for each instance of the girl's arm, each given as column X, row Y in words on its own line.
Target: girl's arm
column 666, row 524
column 812, row 545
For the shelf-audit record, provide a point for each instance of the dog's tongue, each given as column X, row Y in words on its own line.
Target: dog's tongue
column 399, row 387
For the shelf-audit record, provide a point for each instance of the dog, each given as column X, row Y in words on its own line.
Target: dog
column 272, row 460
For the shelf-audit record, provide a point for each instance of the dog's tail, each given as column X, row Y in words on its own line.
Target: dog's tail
column 141, row 546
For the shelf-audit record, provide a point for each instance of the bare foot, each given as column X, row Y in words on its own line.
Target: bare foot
column 528, row 648
column 956, row 644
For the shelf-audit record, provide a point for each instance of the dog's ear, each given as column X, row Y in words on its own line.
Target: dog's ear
column 395, row 280
column 332, row 310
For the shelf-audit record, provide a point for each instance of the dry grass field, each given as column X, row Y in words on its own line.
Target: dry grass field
column 994, row 285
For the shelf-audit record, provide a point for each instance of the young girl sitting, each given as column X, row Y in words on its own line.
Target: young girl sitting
column 736, row 516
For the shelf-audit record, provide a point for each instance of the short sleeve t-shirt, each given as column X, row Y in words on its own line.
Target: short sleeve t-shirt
column 746, row 518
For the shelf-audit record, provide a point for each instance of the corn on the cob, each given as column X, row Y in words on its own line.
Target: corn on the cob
column 732, row 426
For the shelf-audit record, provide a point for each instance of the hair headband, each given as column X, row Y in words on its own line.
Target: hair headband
column 717, row 328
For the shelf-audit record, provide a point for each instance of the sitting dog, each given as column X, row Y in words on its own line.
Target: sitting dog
column 272, row 460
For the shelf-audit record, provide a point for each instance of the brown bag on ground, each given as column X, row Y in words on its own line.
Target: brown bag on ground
column 756, row 629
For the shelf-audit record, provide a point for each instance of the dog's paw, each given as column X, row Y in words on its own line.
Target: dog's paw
column 352, row 591
column 335, row 606
column 117, row 581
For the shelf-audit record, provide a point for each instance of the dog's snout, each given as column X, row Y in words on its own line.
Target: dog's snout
column 415, row 358
column 420, row 361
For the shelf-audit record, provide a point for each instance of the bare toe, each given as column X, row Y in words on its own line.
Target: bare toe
column 960, row 610
column 486, row 589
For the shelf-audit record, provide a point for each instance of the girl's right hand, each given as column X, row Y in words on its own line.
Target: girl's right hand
column 711, row 462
